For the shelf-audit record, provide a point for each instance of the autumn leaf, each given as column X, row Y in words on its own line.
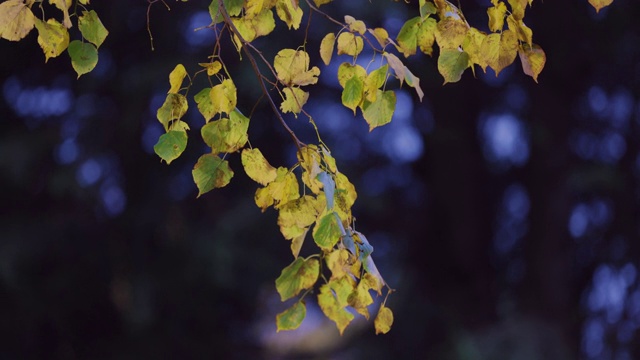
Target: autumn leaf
column 533, row 60
column 426, row 36
column 63, row 5
column 451, row 64
column 380, row 111
column 257, row 167
column 518, row 8
column 349, row 44
column 496, row 16
column 171, row 145
column 326, row 232
column 499, row 50
column 204, row 103
column 292, row 68
column 212, row 67
column 408, row 37
column 523, row 32
column 301, row 274
column 16, row 20
column 294, row 100
column 291, row 318
column 450, row 33
column 224, row 97
column 599, row 4
column 176, row 77
column 53, row 37
column 383, row 320
column 292, row 16
column 211, row 172
column 84, row 56
column 326, row 47
column 332, row 301
column 91, row 28
column 173, row 108
column 353, row 93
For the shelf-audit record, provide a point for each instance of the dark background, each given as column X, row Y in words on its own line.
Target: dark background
column 504, row 212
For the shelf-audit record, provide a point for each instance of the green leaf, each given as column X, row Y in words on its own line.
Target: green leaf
column 91, row 28
column 383, row 320
column 301, row 274
column 226, row 135
column 452, row 63
column 533, row 60
column 224, row 97
column 426, row 36
column 211, row 172
column 374, row 81
column 353, row 93
column 292, row 68
column 234, row 8
column 346, row 71
column 173, row 108
column 16, row 20
column 331, row 305
column 176, row 77
column 326, row 47
column 327, row 232
column 204, row 103
column 257, row 167
column 84, row 56
column 426, row 8
column 408, row 37
column 171, row 145
column 283, row 189
column 53, row 37
column 379, row 112
column 292, row 16
column 350, row 44
column 291, row 318
column 294, row 100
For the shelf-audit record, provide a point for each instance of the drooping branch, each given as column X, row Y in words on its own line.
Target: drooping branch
column 245, row 47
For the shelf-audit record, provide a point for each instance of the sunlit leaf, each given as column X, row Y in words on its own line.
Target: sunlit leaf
column 533, row 60
column 297, row 242
column 383, row 320
column 63, row 5
column 346, row 71
column 450, row 33
column 212, row 67
column 353, row 93
column 326, row 232
column 233, row 7
column 496, row 16
column 408, row 37
column 84, row 56
column 321, row 2
column 360, row 298
column 173, row 108
column 53, row 37
column 300, row 212
column 381, row 35
column 224, row 97
column 171, row 145
column 211, row 172
column 326, row 47
column 599, row 4
column 338, row 262
column 396, row 64
column 380, row 111
column 257, row 167
column 426, row 8
column 294, row 100
column 426, row 36
column 291, row 318
column 91, row 28
column 301, row 274
column 176, row 77
column 349, row 44
column 472, row 45
column 452, row 63
column 292, row 68
column 345, row 197
column 499, row 50
column 355, row 25
column 292, row 16
column 518, row 8
column 283, row 189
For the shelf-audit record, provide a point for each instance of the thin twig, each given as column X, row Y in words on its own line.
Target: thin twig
column 245, row 46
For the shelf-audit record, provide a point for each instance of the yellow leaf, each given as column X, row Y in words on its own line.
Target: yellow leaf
column 332, row 308
column 396, row 64
column 212, row 67
column 450, row 33
column 296, row 243
column 64, row 6
column 16, row 20
column 451, row 64
column 224, row 97
column 301, row 274
column 257, row 167
column 326, row 47
column 289, row 13
column 349, row 44
column 253, row 8
column 53, row 38
column 381, row 35
column 496, row 16
column 355, row 25
column 345, row 196
column 427, row 35
column 523, row 32
column 321, row 2
column 383, row 320
column 472, row 45
column 599, row 4
column 300, row 212
column 517, row 8
column 338, row 262
column 499, row 50
column 176, row 77
column 533, row 60
column 291, row 318
column 283, row 189
column 346, row 71
column 360, row 298
column 292, row 68
column 294, row 100
column 374, row 81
